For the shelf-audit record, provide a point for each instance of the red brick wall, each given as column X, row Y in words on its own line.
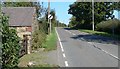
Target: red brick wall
column 29, row 29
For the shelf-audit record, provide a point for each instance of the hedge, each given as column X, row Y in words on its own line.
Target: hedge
column 110, row 26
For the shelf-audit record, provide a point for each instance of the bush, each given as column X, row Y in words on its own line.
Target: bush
column 10, row 45
column 109, row 26
column 38, row 38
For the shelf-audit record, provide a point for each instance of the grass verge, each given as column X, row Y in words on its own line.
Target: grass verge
column 101, row 33
column 38, row 58
column 51, row 41
column 33, row 57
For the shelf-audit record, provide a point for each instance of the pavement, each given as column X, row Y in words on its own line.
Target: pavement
column 79, row 49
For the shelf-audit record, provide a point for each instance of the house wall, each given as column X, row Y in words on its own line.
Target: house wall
column 23, row 31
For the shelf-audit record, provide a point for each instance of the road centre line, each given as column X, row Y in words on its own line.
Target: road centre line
column 70, row 32
column 105, row 51
column 73, row 34
column 89, row 42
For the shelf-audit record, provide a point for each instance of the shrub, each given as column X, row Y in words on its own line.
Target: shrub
column 10, row 45
column 37, row 40
column 109, row 26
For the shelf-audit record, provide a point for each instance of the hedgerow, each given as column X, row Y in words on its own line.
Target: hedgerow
column 109, row 26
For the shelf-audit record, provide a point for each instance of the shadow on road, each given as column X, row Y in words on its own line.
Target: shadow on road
column 69, row 29
column 96, row 38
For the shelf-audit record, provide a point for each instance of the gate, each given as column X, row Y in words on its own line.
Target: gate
column 24, row 44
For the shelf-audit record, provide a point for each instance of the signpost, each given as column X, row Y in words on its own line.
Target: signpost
column 50, row 17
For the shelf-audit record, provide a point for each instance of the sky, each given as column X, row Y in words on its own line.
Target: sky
column 117, row 14
column 61, row 9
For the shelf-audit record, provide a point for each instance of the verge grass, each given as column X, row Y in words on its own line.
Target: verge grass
column 101, row 33
column 51, row 41
column 33, row 57
column 37, row 58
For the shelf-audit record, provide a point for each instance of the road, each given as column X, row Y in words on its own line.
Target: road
column 78, row 49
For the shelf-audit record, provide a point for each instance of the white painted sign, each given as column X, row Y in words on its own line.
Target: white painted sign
column 50, row 16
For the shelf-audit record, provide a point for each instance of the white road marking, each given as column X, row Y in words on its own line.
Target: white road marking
column 60, row 42
column 57, row 46
column 110, row 54
column 62, row 49
column 66, row 63
column 73, row 34
column 70, row 32
column 66, row 30
column 61, row 45
column 105, row 51
column 64, row 55
column 89, row 42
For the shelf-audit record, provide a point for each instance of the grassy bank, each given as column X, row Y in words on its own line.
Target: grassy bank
column 101, row 33
column 38, row 58
column 51, row 41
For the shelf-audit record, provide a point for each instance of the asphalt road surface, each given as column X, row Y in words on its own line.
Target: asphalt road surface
column 78, row 49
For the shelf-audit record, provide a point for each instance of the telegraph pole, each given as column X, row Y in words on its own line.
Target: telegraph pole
column 49, row 29
column 93, row 27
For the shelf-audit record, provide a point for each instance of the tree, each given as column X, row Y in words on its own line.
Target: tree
column 83, row 12
column 117, row 6
column 73, row 21
column 103, row 11
column 10, row 45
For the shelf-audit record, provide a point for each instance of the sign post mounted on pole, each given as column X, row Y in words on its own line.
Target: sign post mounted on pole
column 50, row 17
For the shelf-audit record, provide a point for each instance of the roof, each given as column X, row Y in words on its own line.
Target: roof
column 20, row 16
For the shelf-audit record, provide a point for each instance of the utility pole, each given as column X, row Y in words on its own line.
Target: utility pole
column 93, row 27
column 49, row 29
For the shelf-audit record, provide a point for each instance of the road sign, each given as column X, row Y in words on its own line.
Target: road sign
column 50, row 16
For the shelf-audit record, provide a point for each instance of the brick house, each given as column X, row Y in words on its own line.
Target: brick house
column 24, row 20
